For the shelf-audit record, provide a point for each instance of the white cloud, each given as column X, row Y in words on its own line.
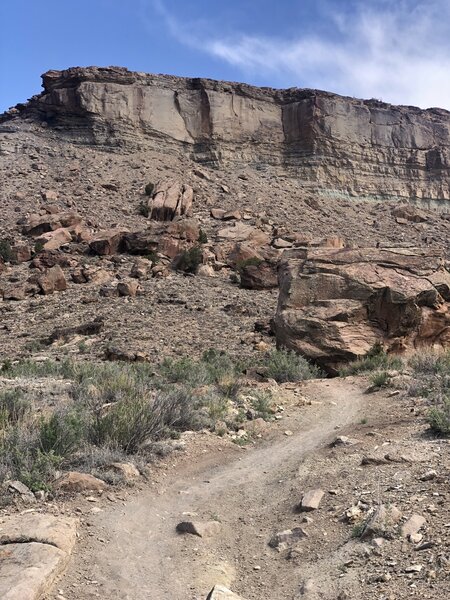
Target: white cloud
column 401, row 55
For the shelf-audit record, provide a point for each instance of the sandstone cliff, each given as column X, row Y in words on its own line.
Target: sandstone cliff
column 336, row 145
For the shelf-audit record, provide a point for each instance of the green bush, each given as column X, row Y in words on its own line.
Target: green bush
column 374, row 360
column 5, row 250
column 261, row 401
column 13, row 407
column 149, row 189
column 189, row 260
column 202, row 237
column 430, row 363
column 248, row 262
column 439, row 418
column 286, row 365
column 152, row 257
column 64, row 432
column 144, row 209
column 380, row 379
column 38, row 247
column 21, row 457
column 186, row 371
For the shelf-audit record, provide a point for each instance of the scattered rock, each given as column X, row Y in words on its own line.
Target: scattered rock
column 374, row 460
column 52, row 280
column 281, row 244
column 203, row 530
column 232, row 215
column 311, row 500
column 414, row 569
column 412, row 525
column 53, row 240
column 36, row 527
column 343, row 440
column 17, row 487
column 261, row 276
column 336, row 304
column 127, row 470
column 29, row 570
column 382, row 522
column 219, row 592
column 217, row 213
column 429, row 475
column 128, row 288
column 284, row 539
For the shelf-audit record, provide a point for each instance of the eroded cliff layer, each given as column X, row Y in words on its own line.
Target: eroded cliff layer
column 339, row 145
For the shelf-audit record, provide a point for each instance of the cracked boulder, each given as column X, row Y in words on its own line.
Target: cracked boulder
column 170, row 199
column 34, row 552
column 335, row 305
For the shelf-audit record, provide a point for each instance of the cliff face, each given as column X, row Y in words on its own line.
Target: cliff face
column 335, row 144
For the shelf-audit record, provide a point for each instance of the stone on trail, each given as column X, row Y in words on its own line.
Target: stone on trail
column 413, row 525
column 207, row 529
column 311, row 500
column 219, row 592
column 283, row 539
column 343, row 440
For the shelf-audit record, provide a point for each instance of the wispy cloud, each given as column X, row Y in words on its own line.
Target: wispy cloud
column 401, row 55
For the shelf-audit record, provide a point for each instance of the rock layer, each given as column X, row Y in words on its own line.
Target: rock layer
column 337, row 304
column 339, row 145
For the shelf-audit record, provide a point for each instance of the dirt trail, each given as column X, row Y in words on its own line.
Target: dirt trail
column 247, row 491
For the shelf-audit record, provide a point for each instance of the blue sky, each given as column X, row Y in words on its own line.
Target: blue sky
column 394, row 50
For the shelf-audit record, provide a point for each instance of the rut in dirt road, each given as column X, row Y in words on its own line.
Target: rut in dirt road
column 146, row 559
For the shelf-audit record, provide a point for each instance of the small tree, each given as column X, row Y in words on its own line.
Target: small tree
column 149, row 189
column 189, row 260
column 5, row 250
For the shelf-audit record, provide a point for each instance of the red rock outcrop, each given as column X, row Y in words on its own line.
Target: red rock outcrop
column 336, row 304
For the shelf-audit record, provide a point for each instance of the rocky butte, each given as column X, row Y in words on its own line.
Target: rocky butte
column 339, row 145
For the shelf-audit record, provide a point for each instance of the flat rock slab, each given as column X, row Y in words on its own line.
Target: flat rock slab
column 219, row 592
column 34, row 551
column 60, row 532
column 412, row 525
column 27, row 571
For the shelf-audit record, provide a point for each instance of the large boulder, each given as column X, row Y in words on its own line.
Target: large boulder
column 52, row 280
column 37, row 225
column 170, row 199
column 258, row 275
column 168, row 239
column 336, row 304
column 108, row 242
column 53, row 240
